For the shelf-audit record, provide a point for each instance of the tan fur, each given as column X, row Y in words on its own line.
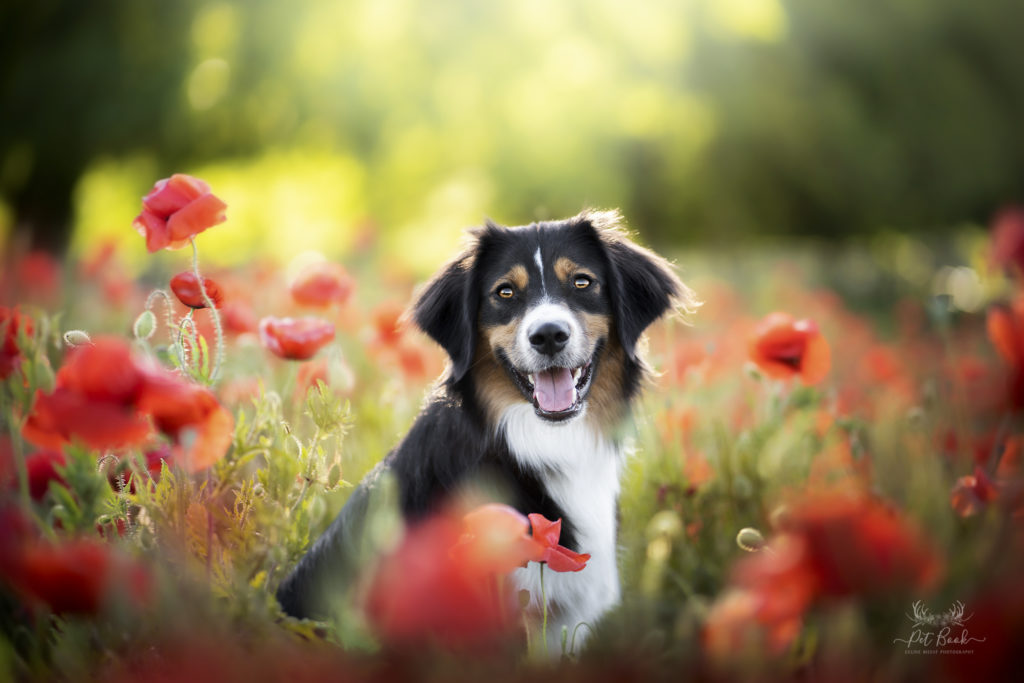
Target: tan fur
column 495, row 388
column 606, row 408
column 517, row 276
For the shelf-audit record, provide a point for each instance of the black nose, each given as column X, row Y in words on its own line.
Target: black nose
column 549, row 338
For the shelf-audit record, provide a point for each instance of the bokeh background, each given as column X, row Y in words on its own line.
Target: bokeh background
column 713, row 124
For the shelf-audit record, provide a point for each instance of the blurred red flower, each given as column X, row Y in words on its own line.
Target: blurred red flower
column 42, row 469
column 190, row 414
column 425, row 594
column 177, row 209
column 295, row 338
column 783, row 347
column 95, row 400
column 1005, row 327
column 558, row 557
column 1008, row 239
column 186, row 287
column 387, row 323
column 322, row 284
column 972, row 493
column 77, row 577
column 829, row 547
column 11, row 322
column 238, row 317
column 496, row 539
column 38, row 276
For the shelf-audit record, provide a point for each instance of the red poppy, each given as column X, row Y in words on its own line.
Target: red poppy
column 496, row 539
column 783, row 347
column 186, row 287
column 295, row 338
column 11, row 322
column 972, row 493
column 1005, row 327
column 38, row 276
column 94, row 401
column 42, row 469
column 322, row 284
column 838, row 546
column 238, row 317
column 387, row 323
column 558, row 558
column 191, row 415
column 426, row 594
column 1008, row 239
column 78, row 577
column 177, row 209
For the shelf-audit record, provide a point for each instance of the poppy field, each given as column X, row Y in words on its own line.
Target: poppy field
column 827, row 480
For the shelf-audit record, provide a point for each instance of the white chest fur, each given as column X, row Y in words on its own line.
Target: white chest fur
column 580, row 470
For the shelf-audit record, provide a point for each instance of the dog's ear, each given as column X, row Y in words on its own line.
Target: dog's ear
column 643, row 285
column 446, row 310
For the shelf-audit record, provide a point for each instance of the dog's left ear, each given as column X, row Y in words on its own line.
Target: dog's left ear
column 445, row 310
column 643, row 285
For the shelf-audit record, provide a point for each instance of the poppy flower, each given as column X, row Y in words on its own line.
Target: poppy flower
column 387, row 323
column 94, row 401
column 496, row 539
column 77, row 577
column 11, row 322
column 190, row 414
column 322, row 284
column 783, row 347
column 1005, row 327
column 238, row 317
column 42, row 469
column 186, row 287
column 839, row 546
column 1008, row 239
column 558, row 558
column 177, row 209
column 972, row 493
column 426, row 594
column 295, row 338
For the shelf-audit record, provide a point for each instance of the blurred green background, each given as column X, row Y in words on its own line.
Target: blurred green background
column 325, row 124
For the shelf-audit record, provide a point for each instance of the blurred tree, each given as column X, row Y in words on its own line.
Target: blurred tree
column 702, row 119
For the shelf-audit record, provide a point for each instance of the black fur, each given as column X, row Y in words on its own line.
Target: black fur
column 451, row 444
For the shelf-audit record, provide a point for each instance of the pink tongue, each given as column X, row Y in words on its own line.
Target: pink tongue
column 554, row 389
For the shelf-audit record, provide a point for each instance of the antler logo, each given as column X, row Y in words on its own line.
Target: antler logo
column 922, row 616
column 933, row 633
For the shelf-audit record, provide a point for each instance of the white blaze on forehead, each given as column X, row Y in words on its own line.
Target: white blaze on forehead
column 540, row 267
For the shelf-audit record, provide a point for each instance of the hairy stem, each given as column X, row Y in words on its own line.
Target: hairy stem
column 218, row 355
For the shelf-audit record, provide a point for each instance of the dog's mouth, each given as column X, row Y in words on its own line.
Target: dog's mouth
column 557, row 393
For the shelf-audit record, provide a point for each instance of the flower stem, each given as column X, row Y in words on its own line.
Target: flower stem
column 544, row 611
column 218, row 355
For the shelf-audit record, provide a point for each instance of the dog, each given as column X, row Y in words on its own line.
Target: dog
column 543, row 326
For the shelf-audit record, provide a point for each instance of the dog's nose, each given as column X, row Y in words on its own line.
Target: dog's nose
column 549, row 337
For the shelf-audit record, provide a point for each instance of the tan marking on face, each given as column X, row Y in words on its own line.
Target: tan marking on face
column 565, row 268
column 517, row 275
column 495, row 389
column 595, row 327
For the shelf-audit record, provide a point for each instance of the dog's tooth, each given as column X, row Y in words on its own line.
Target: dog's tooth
column 576, row 374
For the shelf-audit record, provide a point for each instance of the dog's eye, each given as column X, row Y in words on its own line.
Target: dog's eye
column 581, row 282
column 505, row 291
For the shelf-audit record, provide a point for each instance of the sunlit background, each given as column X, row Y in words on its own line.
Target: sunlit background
column 327, row 124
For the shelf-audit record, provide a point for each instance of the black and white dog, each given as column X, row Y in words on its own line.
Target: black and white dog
column 542, row 324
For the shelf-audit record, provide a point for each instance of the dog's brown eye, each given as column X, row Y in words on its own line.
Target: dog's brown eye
column 581, row 282
column 505, row 292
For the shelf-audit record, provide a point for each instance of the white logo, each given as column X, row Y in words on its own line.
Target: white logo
column 942, row 633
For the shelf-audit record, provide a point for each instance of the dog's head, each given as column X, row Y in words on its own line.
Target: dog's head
column 536, row 313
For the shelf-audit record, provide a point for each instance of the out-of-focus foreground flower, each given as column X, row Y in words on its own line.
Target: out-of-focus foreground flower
column 11, row 322
column 322, row 284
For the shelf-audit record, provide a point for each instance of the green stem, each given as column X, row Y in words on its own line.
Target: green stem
column 218, row 356
column 544, row 611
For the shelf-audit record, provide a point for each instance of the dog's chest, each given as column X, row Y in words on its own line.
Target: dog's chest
column 580, row 472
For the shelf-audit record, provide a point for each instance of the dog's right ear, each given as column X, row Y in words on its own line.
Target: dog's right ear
column 445, row 310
